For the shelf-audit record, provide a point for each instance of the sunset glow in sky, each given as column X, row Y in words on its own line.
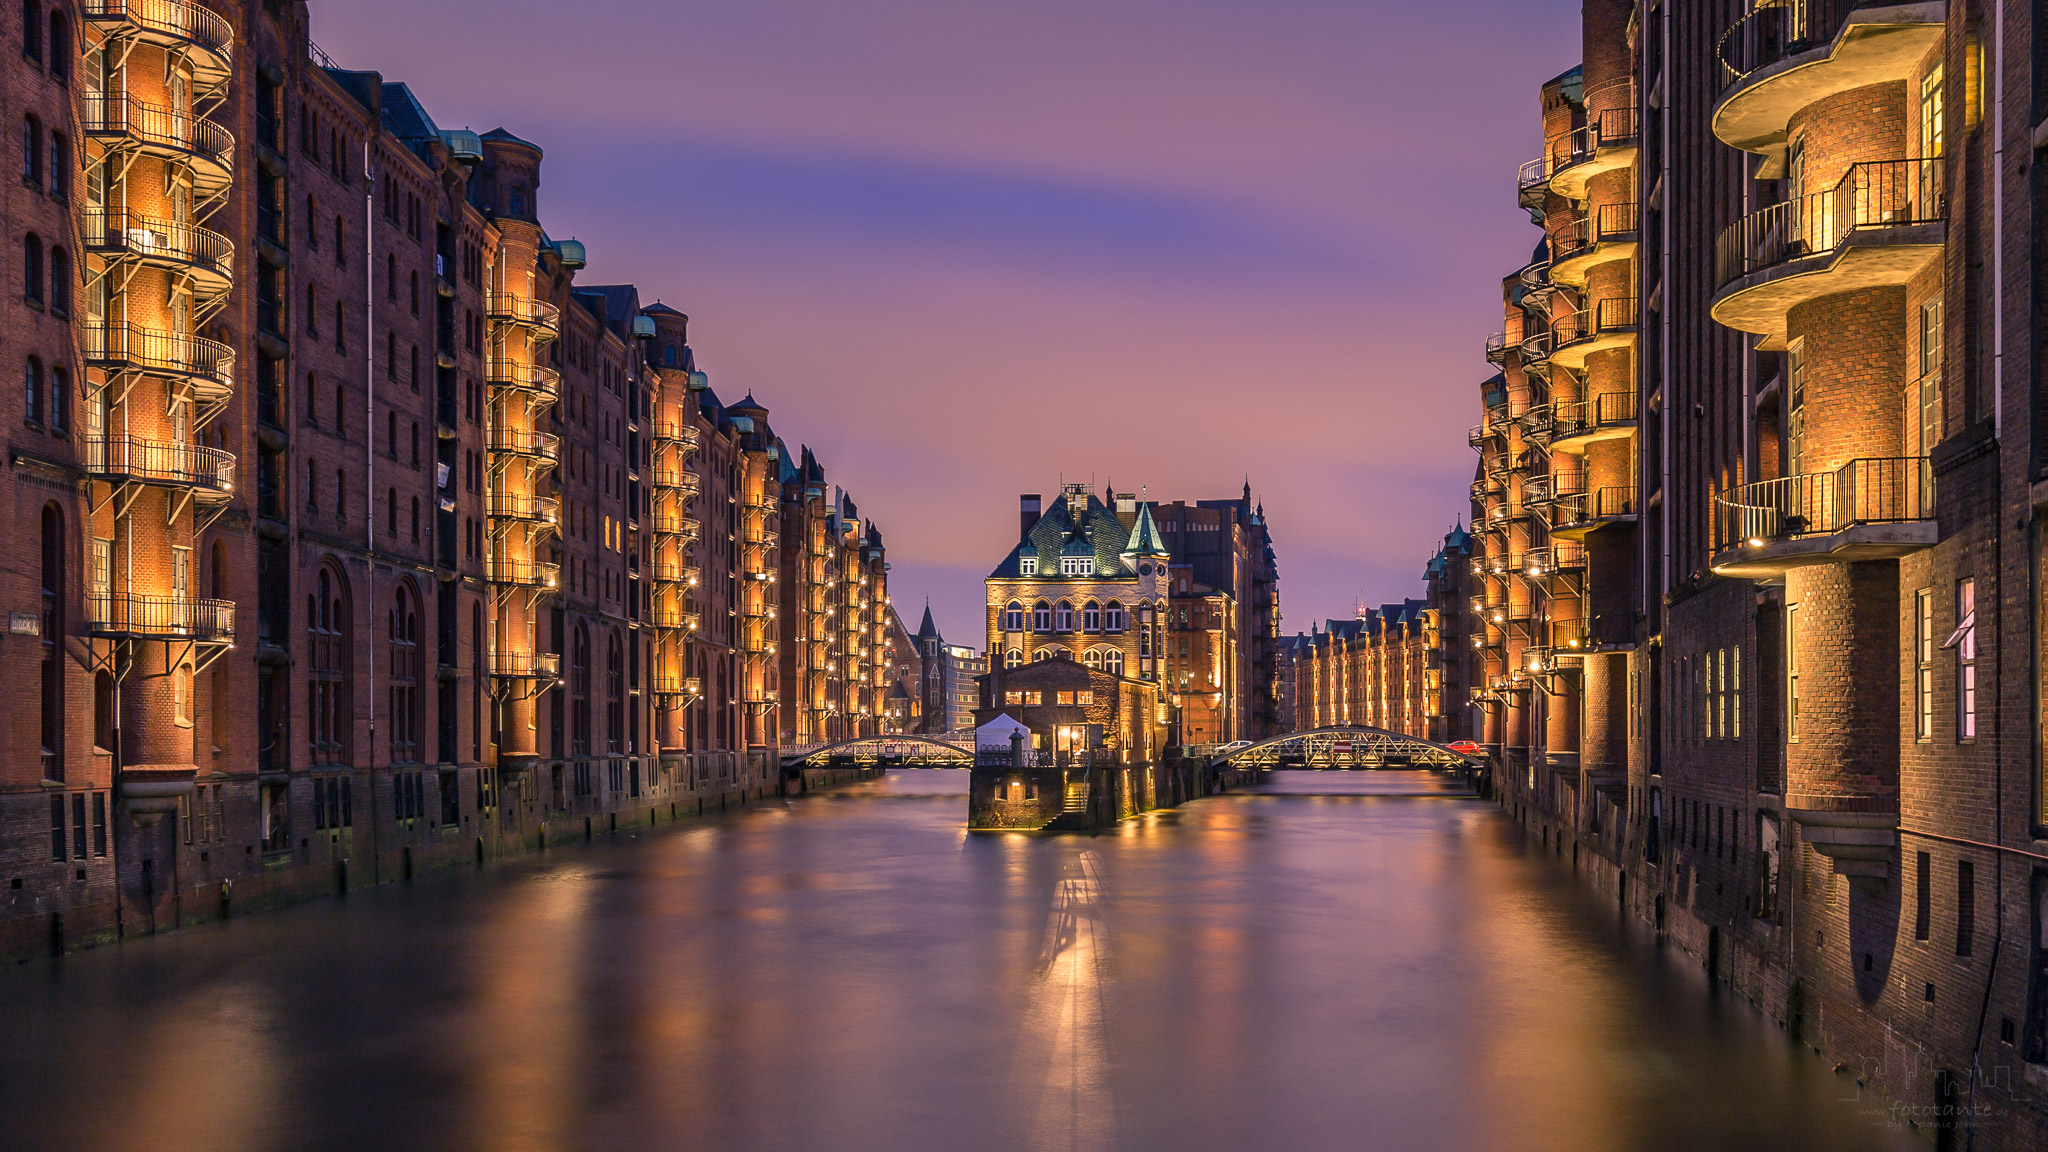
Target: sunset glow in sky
column 965, row 249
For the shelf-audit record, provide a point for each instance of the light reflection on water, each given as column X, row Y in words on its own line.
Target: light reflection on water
column 1333, row 961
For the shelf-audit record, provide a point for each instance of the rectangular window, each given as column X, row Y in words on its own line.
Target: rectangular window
column 1964, row 641
column 99, row 822
column 1966, row 906
column 57, row 826
column 1923, row 894
column 1792, row 673
column 1767, row 866
column 78, row 825
column 1923, row 664
column 1735, row 692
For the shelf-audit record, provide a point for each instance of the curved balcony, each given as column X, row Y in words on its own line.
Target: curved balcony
column 524, row 506
column 526, row 665
column 1536, row 423
column 523, row 311
column 676, row 433
column 1576, row 514
column 1877, row 227
column 672, row 616
column 515, row 572
column 526, row 444
column 125, row 615
column 1607, row 416
column 672, row 479
column 208, row 364
column 531, row 379
column 1870, row 509
column 1497, row 349
column 675, row 572
column 671, row 523
column 1782, row 57
column 1610, row 324
column 1562, row 556
column 1605, row 144
column 1535, row 283
column 207, row 256
column 205, row 40
column 196, row 142
column 208, row 472
column 1586, row 243
column 1535, row 349
column 1532, row 185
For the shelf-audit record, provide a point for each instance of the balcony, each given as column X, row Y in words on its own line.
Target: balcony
column 1607, row 416
column 1535, row 349
column 1783, row 57
column 515, row 572
column 672, row 616
column 1532, row 185
column 672, row 523
column 204, row 40
column 526, row 444
column 1563, row 556
column 524, row 506
column 207, row 256
column 532, row 380
column 675, row 572
column 674, row 479
column 204, row 147
column 523, row 311
column 1875, row 508
column 1609, row 324
column 1877, row 227
column 1576, row 514
column 208, row 364
column 526, row 666
column 1587, row 242
column 125, row 615
column 1604, row 145
column 208, row 472
column 676, row 433
column 1497, row 349
column 1536, row 423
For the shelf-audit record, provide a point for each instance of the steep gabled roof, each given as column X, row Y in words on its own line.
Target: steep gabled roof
column 1145, row 539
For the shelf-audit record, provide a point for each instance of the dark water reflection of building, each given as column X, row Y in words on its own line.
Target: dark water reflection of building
column 1335, row 961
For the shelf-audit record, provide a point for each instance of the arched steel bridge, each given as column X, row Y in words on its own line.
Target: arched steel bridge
column 951, row 750
column 1344, row 748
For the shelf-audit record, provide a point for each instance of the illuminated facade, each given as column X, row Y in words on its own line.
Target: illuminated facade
column 1760, row 555
column 357, row 536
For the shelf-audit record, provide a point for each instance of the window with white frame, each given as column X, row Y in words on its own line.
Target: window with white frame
column 1113, row 619
column 1091, row 617
column 1013, row 617
column 1041, row 617
column 1923, row 664
column 1077, row 565
column 1964, row 641
column 1027, row 565
column 1063, row 617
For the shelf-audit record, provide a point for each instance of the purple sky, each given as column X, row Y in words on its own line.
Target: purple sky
column 964, row 248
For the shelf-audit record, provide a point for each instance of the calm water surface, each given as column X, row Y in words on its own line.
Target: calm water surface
column 1339, row 961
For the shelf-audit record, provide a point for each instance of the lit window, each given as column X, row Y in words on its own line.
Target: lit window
column 1063, row 617
column 1091, row 617
column 1027, row 566
column 1041, row 617
column 1113, row 620
column 1964, row 641
column 1077, row 565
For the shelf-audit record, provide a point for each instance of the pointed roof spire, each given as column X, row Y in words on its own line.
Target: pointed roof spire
column 1247, row 489
column 1145, row 539
column 926, row 628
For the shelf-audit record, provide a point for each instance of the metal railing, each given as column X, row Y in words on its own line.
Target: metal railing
column 1531, row 176
column 187, row 22
column 1536, row 346
column 523, row 506
column 1607, row 408
column 1497, row 347
column 131, row 234
column 526, row 665
column 525, row 573
column 119, row 346
column 1583, row 507
column 671, row 523
column 1614, row 221
column 676, row 432
column 160, row 461
column 524, row 378
column 1782, row 29
column 1872, row 490
column 676, row 479
column 170, row 617
column 117, row 114
column 524, row 442
column 1571, row 237
column 1558, row 556
column 523, row 310
column 1877, row 194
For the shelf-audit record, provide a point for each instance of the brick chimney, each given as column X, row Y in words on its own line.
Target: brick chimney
column 1028, row 512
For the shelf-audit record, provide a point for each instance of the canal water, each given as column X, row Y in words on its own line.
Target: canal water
column 1332, row 961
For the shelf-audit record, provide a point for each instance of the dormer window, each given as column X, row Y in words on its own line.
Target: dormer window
column 1027, row 566
column 1077, row 565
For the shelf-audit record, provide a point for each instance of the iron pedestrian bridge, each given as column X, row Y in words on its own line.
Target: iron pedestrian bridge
column 951, row 750
column 1345, row 748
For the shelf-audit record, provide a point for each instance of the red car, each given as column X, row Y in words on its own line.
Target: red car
column 1466, row 747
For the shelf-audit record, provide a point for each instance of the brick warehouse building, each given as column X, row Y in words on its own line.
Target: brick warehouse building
column 357, row 535
column 1182, row 596
column 1760, row 550
column 1404, row 667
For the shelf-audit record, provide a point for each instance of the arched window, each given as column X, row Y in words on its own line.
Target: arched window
column 60, row 47
column 1041, row 654
column 60, row 401
column 1012, row 658
column 1063, row 617
column 32, row 389
column 60, row 166
column 1092, row 658
column 671, row 355
column 1091, row 617
column 1041, row 617
column 60, row 282
column 1113, row 619
column 32, row 30
column 415, row 519
column 404, row 676
column 32, row 267
column 32, row 151
column 579, row 692
column 328, row 680
column 614, row 694
column 1013, row 617
column 52, row 640
column 1113, row 661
